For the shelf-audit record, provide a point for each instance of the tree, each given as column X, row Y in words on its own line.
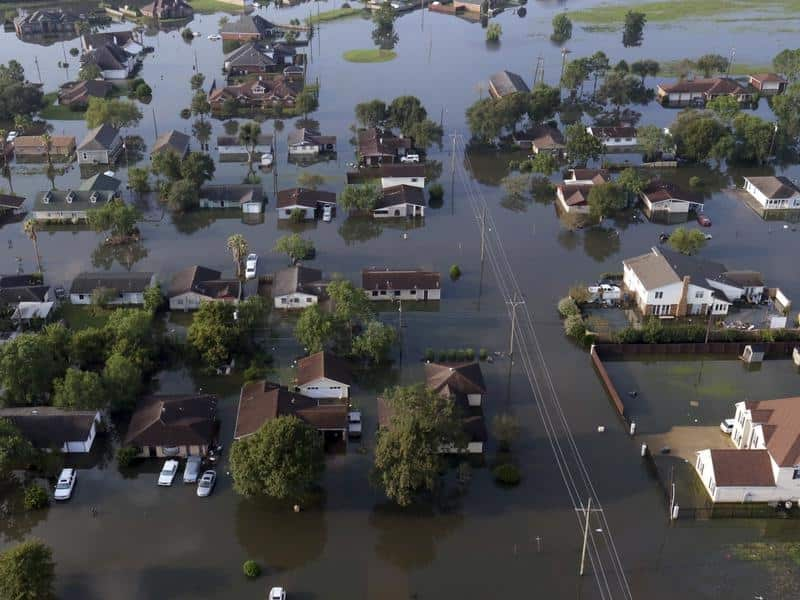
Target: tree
column 15, row 450
column 505, row 429
column 167, row 164
column 19, row 99
column 407, row 452
column 27, row 572
column 695, row 133
column 493, row 32
column 88, row 348
column 45, row 358
column 89, row 72
column 544, row 163
column 633, row 29
column 543, row 102
column 511, row 109
column 12, row 73
column 122, row 378
column 359, row 197
column 605, row 199
column 213, row 336
column 314, row 329
column 581, row 145
column 687, row 241
column 237, row 246
column 598, row 65
column 786, row 107
column 575, row 74
column 711, row 64
column 654, row 140
column 754, row 138
column 294, row 246
column 517, row 187
column 132, row 333
column 350, row 304
column 426, row 133
column 787, row 62
column 79, row 390
column 619, row 89
column 308, row 100
column 115, row 216
column 562, row 28
column 200, row 105
column 31, row 229
column 725, row 107
column 182, row 196
column 646, row 67
column 484, row 120
column 197, row 168
column 251, row 315
column 371, row 114
column 310, row 180
column 202, row 131
column 282, row 460
column 631, row 182
column 405, row 112
column 112, row 111
column 153, row 298
column 384, row 17
column 375, row 342
column 248, row 137
column 139, row 180
column 196, row 81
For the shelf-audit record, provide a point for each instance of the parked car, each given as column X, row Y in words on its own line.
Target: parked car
column 168, row 471
column 12, row 135
column 708, row 236
column 192, row 469
column 703, row 220
column 251, row 266
column 206, row 484
column 727, row 426
column 354, row 423
column 410, row 158
column 605, row 292
column 215, row 37
column 277, row 593
column 327, row 213
column 266, row 160
column 65, row 484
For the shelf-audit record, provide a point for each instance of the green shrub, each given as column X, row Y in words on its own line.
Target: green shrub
column 251, row 569
column 126, row 456
column 574, row 327
column 629, row 335
column 695, row 181
column 455, row 272
column 430, row 355
column 452, row 355
column 442, row 355
column 483, row 353
column 507, row 474
column 435, row 193
column 298, row 215
column 186, row 113
column 36, row 497
column 74, row 51
column 568, row 307
column 143, row 91
column 469, row 354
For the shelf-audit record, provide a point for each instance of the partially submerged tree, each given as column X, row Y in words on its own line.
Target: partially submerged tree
column 604, row 200
column 116, row 216
column 562, row 28
column 237, row 246
column 27, row 572
column 359, row 197
column 687, row 241
column 112, row 111
column 294, row 246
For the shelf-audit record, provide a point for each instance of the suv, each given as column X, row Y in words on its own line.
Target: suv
column 192, row 469
column 65, row 485
column 410, row 158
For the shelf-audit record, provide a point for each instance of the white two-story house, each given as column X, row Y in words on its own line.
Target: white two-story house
column 765, row 465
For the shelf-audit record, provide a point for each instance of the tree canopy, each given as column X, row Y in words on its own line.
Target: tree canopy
column 112, row 111
column 581, row 145
column 687, row 241
column 27, row 571
column 213, row 334
column 360, row 197
column 605, row 199
column 562, row 28
column 116, row 216
column 79, row 390
column 375, row 342
column 314, row 329
column 294, row 246
column 15, row 450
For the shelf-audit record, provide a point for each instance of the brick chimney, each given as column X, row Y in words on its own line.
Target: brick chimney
column 684, row 299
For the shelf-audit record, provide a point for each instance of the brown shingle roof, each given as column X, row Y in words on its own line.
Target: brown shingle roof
column 399, row 279
column 380, row 142
column 401, row 194
column 455, row 379
column 575, row 195
column 172, row 140
column 182, row 420
column 298, row 279
column 774, row 187
column 784, row 414
column 613, row 132
column 401, row 170
column 713, row 86
column 323, row 364
column 595, row 175
column 206, row 282
column 12, row 202
column 742, row 468
column 653, row 270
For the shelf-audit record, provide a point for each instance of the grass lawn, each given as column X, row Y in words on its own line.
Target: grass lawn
column 668, row 68
column 214, row 6
column 55, row 112
column 332, row 15
column 80, row 316
column 370, row 55
column 677, row 10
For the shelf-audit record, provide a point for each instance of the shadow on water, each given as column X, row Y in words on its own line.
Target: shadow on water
column 195, row 581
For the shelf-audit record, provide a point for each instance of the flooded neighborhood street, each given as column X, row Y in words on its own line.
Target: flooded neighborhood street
column 123, row 537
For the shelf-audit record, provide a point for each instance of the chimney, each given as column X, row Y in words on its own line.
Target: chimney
column 684, row 300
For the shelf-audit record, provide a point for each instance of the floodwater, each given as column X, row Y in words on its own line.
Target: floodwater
column 148, row 542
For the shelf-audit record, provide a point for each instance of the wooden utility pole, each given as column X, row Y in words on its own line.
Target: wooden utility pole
column 36, row 62
column 453, row 175
column 483, row 234
column 585, row 536
column 155, row 125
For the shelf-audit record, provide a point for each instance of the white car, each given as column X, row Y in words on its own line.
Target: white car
column 12, row 135
column 266, row 160
column 215, row 37
column 410, row 158
column 206, row 483
column 354, row 423
column 192, row 469
column 605, row 292
column 277, row 593
column 65, row 485
column 168, row 471
column 251, row 266
column 726, row 426
column 327, row 213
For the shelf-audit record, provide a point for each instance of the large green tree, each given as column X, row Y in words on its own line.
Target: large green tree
column 581, row 145
column 405, row 112
column 315, row 329
column 112, row 111
column 372, row 113
column 687, row 241
column 484, row 120
column 15, row 450
column 293, row 246
column 28, row 365
column 282, row 460
column 562, row 28
column 197, row 167
column 122, row 379
column 27, row 572
column 116, row 216
column 695, row 134
column 213, row 335
column 359, row 197
column 711, row 64
column 787, row 109
column 788, row 62
column 605, row 199
column 183, row 196
column 375, row 342
column 79, row 390
column 754, row 138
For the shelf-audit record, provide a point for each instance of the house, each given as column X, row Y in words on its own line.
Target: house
column 102, row 145
column 33, row 148
column 76, row 94
column 46, row 22
column 172, row 141
column 179, row 425
column 48, row 428
column 307, row 142
column 699, row 91
column 401, row 174
column 773, row 193
column 305, row 200
column 541, row 138
column 125, row 289
column 130, row 41
column 257, row 94
column 10, row 205
column 614, row 137
column 765, row 465
column 248, row 198
column 247, row 28
column 588, row 177
column 768, row 84
column 250, row 58
column 323, row 375
column 377, row 146
column 167, row 10
column 113, row 61
column 15, row 289
column 659, row 289
column 661, row 198
column 194, row 285
column 231, row 149
column 505, row 83
column 25, row 312
column 263, row 401
column 297, row 287
column 400, row 284
column 400, row 201
column 68, row 205
column 573, row 198
column 100, row 182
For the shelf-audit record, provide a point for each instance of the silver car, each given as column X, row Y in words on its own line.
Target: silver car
column 192, row 469
column 206, row 484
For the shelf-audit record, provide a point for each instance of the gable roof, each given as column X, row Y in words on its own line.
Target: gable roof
column 70, row 200
column 699, row 270
column 575, row 194
column 118, row 38
column 298, row 279
column 48, row 427
column 780, row 421
column 662, row 191
column 19, row 280
column 304, row 197
column 596, row 176
column 652, row 269
column 248, row 24
column 86, row 283
column 81, row 91
column 100, row 182
column 241, row 192
column 401, row 170
column 323, row 364
column 401, row 194
column 541, row 136
column 506, row 82
column 178, row 420
column 604, row 133
column 251, row 54
column 262, row 401
column 191, row 279
column 713, row 86
column 455, row 379
column 99, row 138
column 24, row 293
column 773, row 187
column 171, row 140
column 36, row 143
column 768, row 77
column 264, row 139
column 309, row 136
column 399, row 279
column 107, row 57
column 380, row 142
column 11, row 202
column 742, row 468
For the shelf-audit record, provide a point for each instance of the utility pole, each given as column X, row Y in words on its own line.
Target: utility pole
column 275, row 160
column 514, row 304
column 400, row 329
column 36, row 62
column 585, row 535
column 730, row 60
column 453, row 174
column 483, row 234
column 155, row 124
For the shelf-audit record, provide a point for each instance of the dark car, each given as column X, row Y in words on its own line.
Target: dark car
column 704, row 220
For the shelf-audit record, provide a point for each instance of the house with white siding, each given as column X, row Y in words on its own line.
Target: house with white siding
column 400, row 284
column 194, row 285
column 246, row 197
column 297, row 287
column 123, row 289
column 308, row 143
column 662, row 198
column 764, row 466
column 773, row 193
column 400, row 201
column 48, row 428
column 323, row 375
column 614, row 137
column 392, row 175
column 303, row 200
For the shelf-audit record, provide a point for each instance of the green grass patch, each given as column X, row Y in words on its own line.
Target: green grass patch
column 214, row 6
column 333, row 15
column 763, row 551
column 677, row 10
column 81, row 316
column 53, row 111
column 370, row 55
column 669, row 68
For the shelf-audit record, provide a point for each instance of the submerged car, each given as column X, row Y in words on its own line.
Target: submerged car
column 168, row 471
column 354, row 423
column 726, row 426
column 277, row 593
column 206, row 484
column 192, row 469
column 703, row 220
column 251, row 266
column 65, row 485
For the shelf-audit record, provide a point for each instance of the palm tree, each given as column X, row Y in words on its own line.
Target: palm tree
column 248, row 137
column 22, row 123
column 48, row 147
column 237, row 246
column 202, row 131
column 31, row 229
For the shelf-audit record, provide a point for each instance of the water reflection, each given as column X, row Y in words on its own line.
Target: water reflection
column 359, row 230
column 600, row 243
column 126, row 255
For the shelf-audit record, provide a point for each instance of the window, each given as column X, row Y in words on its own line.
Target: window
column 711, row 487
column 413, row 292
column 796, row 474
column 283, row 300
column 397, row 292
column 698, row 294
column 700, row 465
column 659, row 295
column 383, row 292
column 81, row 296
column 374, row 293
column 308, row 300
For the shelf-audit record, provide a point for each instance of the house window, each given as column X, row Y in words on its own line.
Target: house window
column 283, row 300
column 659, row 295
column 711, row 487
column 397, row 292
column 698, row 294
column 413, row 292
column 81, row 296
column 383, row 292
column 308, row 299
column 700, row 465
column 796, row 473
column 374, row 293
column 414, row 179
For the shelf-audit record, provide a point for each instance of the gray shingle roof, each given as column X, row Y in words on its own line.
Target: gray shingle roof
column 99, row 138
column 86, row 283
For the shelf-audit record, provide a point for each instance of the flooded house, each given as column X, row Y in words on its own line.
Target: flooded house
column 34, row 148
column 113, row 61
column 130, row 41
column 323, row 375
column 768, row 84
column 48, row 428
column 11, row 205
column 68, row 206
column 248, row 28
column 504, row 83
column 101, row 146
column 309, row 142
column 303, row 200
column 401, row 284
column 46, row 22
column 231, row 149
column 167, row 10
column 690, row 92
column 663, row 201
column 262, row 94
column 773, row 193
column 572, row 194
column 296, row 288
column 378, row 146
column 541, row 138
column 194, row 285
column 614, row 138
column 252, row 58
column 172, row 141
column 393, row 175
column 400, row 201
column 76, row 94
column 122, row 289
column 245, row 197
